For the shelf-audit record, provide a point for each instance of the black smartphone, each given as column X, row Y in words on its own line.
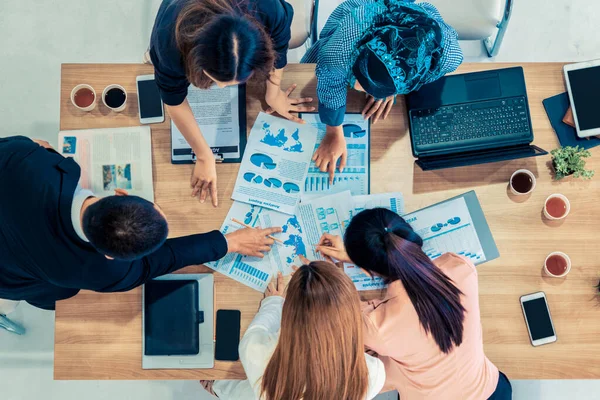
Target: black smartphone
column 150, row 104
column 228, row 335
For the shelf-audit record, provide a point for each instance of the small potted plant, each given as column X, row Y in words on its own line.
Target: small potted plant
column 570, row 161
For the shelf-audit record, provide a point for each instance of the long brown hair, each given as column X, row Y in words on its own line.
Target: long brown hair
column 224, row 40
column 320, row 354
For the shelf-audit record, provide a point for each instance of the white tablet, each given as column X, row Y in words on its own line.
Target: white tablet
column 583, row 85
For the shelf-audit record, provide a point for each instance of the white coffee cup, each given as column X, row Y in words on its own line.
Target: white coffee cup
column 76, row 89
column 114, row 86
column 563, row 198
column 527, row 172
column 560, row 254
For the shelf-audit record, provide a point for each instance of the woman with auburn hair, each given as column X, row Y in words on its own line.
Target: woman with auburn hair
column 427, row 329
column 308, row 347
column 223, row 43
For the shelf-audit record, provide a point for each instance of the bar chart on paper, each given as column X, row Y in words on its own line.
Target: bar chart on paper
column 355, row 176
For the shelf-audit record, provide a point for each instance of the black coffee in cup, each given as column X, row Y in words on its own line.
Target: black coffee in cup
column 115, row 97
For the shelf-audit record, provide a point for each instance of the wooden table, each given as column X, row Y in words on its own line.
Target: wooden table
column 98, row 336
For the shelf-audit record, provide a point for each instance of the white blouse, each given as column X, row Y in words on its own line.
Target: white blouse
column 257, row 347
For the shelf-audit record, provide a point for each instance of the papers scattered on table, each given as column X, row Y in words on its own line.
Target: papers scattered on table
column 356, row 174
column 112, row 158
column 275, row 163
column 250, row 271
column 447, row 227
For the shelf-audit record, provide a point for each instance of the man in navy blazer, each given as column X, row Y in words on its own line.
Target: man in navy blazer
column 57, row 238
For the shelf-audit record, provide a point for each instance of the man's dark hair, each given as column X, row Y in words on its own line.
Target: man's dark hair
column 124, row 227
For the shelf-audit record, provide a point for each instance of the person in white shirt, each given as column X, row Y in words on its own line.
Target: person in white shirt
column 308, row 346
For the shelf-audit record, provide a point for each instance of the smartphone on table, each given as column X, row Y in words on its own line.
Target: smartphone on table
column 150, row 104
column 228, row 335
column 538, row 319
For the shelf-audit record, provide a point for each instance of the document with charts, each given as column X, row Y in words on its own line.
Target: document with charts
column 328, row 214
column 275, row 163
column 393, row 202
column 285, row 255
column 356, row 174
column 447, row 227
column 251, row 271
column 112, row 158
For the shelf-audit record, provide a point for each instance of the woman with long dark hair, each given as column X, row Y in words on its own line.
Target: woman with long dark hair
column 427, row 329
column 308, row 346
column 223, row 43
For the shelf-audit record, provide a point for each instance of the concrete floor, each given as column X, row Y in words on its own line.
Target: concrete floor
column 36, row 36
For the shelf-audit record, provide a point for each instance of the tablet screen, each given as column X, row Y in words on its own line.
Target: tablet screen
column 585, row 88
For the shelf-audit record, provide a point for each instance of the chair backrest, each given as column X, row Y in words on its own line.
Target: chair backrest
column 302, row 21
column 472, row 19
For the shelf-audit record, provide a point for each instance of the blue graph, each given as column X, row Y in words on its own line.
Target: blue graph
column 263, row 161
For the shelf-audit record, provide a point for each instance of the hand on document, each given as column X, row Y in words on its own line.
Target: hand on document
column 204, row 178
column 283, row 104
column 251, row 241
column 332, row 248
column 332, row 148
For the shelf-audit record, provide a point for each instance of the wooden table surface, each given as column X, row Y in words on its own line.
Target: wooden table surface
column 98, row 336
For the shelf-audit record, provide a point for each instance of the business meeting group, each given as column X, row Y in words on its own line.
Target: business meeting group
column 312, row 338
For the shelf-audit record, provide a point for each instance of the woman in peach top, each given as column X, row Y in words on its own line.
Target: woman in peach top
column 427, row 329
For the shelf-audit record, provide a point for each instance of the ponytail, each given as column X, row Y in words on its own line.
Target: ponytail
column 381, row 242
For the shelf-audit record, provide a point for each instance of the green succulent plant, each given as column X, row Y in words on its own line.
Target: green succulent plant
column 570, row 161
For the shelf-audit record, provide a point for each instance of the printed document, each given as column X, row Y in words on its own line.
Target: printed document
column 217, row 113
column 112, row 158
column 251, row 271
column 284, row 256
column 355, row 176
column 275, row 163
column 447, row 227
column 327, row 214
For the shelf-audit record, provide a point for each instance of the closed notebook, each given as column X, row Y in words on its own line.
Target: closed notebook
column 171, row 318
column 556, row 107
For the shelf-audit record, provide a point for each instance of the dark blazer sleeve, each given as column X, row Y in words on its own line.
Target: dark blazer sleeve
column 14, row 149
column 276, row 16
column 120, row 276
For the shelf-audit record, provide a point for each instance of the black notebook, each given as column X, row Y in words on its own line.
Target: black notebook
column 171, row 318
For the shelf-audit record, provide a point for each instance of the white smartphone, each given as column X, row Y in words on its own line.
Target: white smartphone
column 583, row 85
column 538, row 320
column 150, row 104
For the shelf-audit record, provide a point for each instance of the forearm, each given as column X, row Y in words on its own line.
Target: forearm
column 173, row 255
column 183, row 117
column 274, row 84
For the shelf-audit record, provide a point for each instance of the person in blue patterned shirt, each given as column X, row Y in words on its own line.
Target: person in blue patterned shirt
column 381, row 47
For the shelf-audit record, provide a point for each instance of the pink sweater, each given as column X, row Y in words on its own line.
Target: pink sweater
column 414, row 364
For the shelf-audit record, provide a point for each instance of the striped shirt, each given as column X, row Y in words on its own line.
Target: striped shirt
column 333, row 52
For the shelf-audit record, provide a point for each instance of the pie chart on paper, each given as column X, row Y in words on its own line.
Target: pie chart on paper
column 291, row 188
column 262, row 161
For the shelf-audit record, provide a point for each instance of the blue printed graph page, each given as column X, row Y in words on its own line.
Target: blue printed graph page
column 275, row 163
column 393, row 202
column 328, row 214
column 355, row 176
column 447, row 227
column 251, row 271
column 285, row 255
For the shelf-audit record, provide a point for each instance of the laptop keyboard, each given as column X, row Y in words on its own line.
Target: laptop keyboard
column 494, row 119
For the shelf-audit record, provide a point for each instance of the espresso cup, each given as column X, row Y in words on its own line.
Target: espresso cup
column 557, row 264
column 83, row 97
column 518, row 186
column 115, row 97
column 556, row 207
